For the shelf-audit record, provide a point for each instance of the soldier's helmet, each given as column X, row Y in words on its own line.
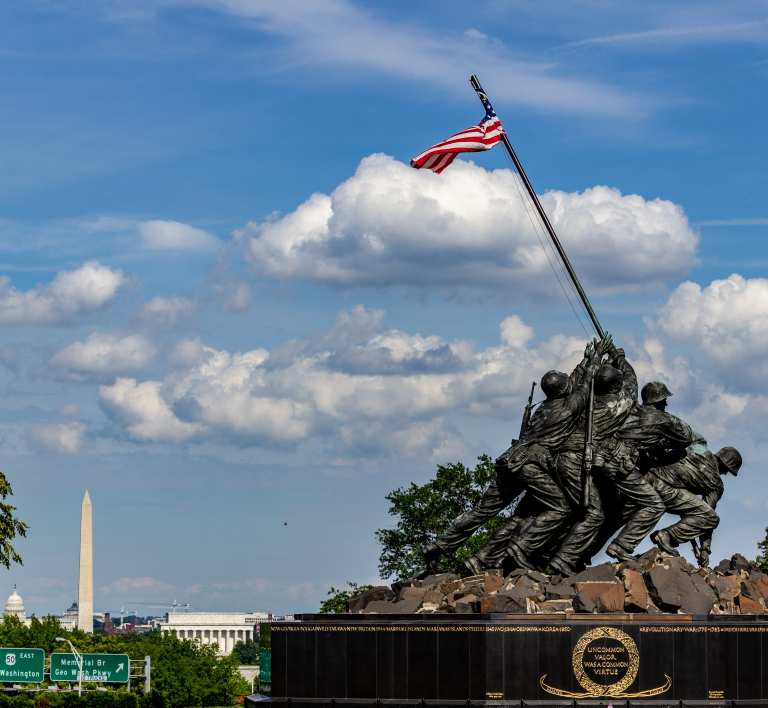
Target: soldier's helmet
column 731, row 459
column 554, row 384
column 608, row 380
column 654, row 392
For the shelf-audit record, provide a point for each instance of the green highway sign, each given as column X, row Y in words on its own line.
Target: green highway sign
column 265, row 665
column 22, row 665
column 98, row 668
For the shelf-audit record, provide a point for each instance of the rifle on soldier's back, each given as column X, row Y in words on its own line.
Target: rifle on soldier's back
column 527, row 413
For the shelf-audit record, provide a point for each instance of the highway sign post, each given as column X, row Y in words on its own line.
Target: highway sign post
column 22, row 665
column 97, row 668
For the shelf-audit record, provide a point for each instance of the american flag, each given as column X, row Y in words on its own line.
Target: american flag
column 476, row 138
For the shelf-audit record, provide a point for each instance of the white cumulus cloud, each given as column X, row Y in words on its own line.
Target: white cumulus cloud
column 167, row 310
column 389, row 224
column 67, row 438
column 163, row 235
column 143, row 411
column 726, row 321
column 105, row 354
column 70, row 294
column 360, row 387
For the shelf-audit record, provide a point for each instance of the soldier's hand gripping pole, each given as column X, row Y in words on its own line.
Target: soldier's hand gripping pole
column 601, row 347
column 527, row 413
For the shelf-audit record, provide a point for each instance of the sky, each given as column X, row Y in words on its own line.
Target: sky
column 232, row 311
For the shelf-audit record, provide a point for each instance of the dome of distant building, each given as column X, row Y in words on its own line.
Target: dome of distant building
column 14, row 606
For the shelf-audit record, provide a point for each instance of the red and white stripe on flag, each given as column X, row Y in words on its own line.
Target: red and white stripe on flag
column 473, row 139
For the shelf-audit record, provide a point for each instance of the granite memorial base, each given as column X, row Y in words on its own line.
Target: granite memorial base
column 520, row 660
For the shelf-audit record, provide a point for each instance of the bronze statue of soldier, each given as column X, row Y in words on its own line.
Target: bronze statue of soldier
column 691, row 488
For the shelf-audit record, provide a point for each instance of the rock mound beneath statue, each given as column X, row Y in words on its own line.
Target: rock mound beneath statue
column 654, row 583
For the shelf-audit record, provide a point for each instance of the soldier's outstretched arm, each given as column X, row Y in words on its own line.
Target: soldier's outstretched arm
column 629, row 386
column 713, row 497
column 577, row 375
column 579, row 397
column 677, row 431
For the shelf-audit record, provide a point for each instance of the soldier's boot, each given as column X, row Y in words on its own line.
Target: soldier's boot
column 557, row 566
column 431, row 553
column 665, row 542
column 618, row 552
column 518, row 558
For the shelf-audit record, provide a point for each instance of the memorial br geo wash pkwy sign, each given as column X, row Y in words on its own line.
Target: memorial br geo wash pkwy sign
column 102, row 668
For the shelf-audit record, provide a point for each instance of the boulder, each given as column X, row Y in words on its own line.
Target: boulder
column 755, row 585
column 474, row 584
column 727, row 587
column 439, row 579
column 636, row 598
column 560, row 591
column 492, row 582
column 410, row 598
column 381, row 592
column 504, row 602
column 749, row 606
column 605, row 572
column 724, row 567
column 537, row 577
column 467, row 605
column 432, row 600
column 382, row 607
column 554, row 606
column 674, row 589
column 525, row 587
column 599, row 596
column 739, row 563
column 651, row 558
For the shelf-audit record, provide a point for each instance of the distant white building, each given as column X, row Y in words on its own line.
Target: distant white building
column 222, row 628
column 14, row 607
column 68, row 620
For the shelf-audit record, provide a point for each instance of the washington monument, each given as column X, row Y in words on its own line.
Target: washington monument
column 85, row 597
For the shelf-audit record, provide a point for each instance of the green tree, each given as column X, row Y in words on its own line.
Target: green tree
column 762, row 558
column 423, row 511
column 239, row 686
column 246, row 652
column 338, row 599
column 10, row 526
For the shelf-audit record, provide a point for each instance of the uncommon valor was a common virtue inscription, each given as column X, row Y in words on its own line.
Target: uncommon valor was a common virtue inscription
column 606, row 663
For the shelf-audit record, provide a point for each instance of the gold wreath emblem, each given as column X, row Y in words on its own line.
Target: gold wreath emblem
column 592, row 689
column 633, row 661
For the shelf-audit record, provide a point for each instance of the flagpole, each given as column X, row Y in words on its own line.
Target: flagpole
column 475, row 82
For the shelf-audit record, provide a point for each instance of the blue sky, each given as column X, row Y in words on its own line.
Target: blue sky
column 229, row 305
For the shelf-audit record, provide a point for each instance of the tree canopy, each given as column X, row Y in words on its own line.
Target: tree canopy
column 246, row 652
column 10, row 526
column 423, row 511
column 762, row 557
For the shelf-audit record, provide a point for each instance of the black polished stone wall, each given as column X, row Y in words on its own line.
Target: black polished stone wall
column 442, row 659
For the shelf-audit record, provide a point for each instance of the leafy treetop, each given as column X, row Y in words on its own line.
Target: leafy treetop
column 762, row 558
column 10, row 526
column 423, row 511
